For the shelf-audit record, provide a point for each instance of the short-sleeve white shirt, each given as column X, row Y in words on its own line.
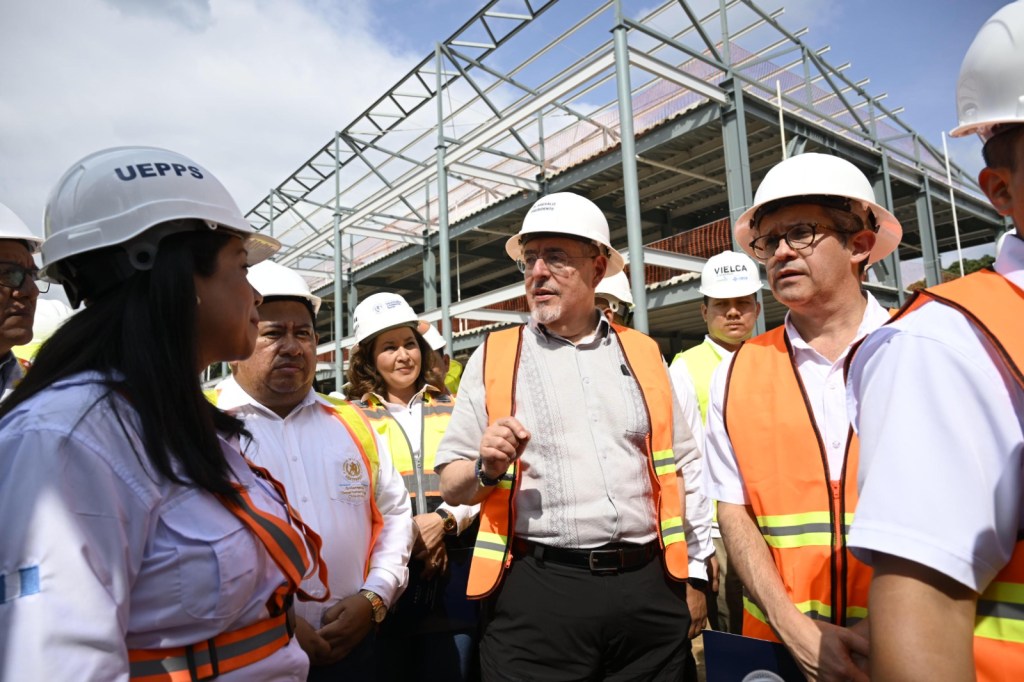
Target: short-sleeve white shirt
column 312, row 453
column 941, row 427
column 823, row 381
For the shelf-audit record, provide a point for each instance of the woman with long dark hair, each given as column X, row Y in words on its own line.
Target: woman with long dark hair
column 138, row 542
column 431, row 633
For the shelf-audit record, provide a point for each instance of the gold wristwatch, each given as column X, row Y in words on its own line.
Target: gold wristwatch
column 448, row 522
column 380, row 610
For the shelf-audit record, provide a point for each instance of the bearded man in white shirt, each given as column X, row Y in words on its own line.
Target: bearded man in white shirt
column 339, row 476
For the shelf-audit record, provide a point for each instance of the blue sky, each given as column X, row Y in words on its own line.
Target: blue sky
column 251, row 88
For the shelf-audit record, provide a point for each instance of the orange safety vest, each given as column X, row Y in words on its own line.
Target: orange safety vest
column 802, row 513
column 492, row 552
column 992, row 304
column 420, row 479
column 236, row 649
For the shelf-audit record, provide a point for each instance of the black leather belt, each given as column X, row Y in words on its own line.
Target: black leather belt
column 608, row 559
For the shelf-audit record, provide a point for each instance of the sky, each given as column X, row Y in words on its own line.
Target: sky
column 252, row 88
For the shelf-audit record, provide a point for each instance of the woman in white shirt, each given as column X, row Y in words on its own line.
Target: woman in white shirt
column 431, row 634
column 138, row 543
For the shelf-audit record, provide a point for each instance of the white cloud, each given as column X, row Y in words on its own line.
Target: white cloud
column 249, row 88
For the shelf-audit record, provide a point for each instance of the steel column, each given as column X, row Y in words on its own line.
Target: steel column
column 442, row 209
column 926, row 227
column 630, row 181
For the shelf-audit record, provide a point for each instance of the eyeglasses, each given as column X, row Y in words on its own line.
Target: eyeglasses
column 556, row 261
column 13, row 276
column 798, row 237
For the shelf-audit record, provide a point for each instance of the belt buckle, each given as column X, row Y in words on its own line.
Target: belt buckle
column 592, row 561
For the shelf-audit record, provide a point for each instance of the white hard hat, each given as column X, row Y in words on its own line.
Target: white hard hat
column 12, row 227
column 116, row 197
column 273, row 279
column 729, row 275
column 565, row 213
column 616, row 289
column 431, row 335
column 821, row 175
column 990, row 89
column 380, row 312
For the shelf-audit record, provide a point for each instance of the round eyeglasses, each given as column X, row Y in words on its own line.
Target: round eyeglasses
column 798, row 237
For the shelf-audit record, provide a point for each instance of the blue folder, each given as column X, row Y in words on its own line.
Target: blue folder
column 730, row 658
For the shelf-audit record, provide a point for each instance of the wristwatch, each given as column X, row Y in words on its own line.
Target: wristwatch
column 448, row 522
column 484, row 479
column 379, row 609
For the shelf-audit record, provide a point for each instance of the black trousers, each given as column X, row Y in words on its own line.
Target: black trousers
column 556, row 622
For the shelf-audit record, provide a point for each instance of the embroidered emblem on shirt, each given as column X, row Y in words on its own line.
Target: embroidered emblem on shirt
column 350, row 484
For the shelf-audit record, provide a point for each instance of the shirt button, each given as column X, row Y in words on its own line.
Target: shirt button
column 305, row 499
column 836, row 444
column 294, row 458
column 586, row 380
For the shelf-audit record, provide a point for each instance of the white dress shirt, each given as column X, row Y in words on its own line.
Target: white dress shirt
column 100, row 554
column 826, row 391
column 689, row 403
column 941, row 427
column 312, row 453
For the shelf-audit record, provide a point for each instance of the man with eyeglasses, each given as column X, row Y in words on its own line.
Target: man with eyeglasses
column 18, row 294
column 568, row 435
column 781, row 459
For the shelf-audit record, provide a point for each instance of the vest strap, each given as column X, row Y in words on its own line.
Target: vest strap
column 206, row 660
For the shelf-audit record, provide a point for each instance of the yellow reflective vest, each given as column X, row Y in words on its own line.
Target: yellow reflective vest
column 417, row 471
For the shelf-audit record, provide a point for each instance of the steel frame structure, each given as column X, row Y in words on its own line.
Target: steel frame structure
column 668, row 124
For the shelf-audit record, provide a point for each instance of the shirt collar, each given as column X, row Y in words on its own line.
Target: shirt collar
column 874, row 317
column 1010, row 263
column 231, row 396
column 600, row 332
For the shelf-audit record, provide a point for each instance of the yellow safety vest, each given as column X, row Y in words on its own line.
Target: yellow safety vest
column 418, row 472
column 700, row 362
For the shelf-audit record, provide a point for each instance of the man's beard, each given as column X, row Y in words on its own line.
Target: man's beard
column 546, row 313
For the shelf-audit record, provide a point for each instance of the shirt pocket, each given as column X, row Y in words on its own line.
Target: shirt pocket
column 216, row 557
column 347, row 480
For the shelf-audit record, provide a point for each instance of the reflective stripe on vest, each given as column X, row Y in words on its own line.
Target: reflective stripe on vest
column 992, row 304
column 700, row 362
column 358, row 427
column 502, row 349
column 222, row 654
column 803, row 516
column 435, row 413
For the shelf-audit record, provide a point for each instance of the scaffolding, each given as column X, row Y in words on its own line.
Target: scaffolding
column 668, row 125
